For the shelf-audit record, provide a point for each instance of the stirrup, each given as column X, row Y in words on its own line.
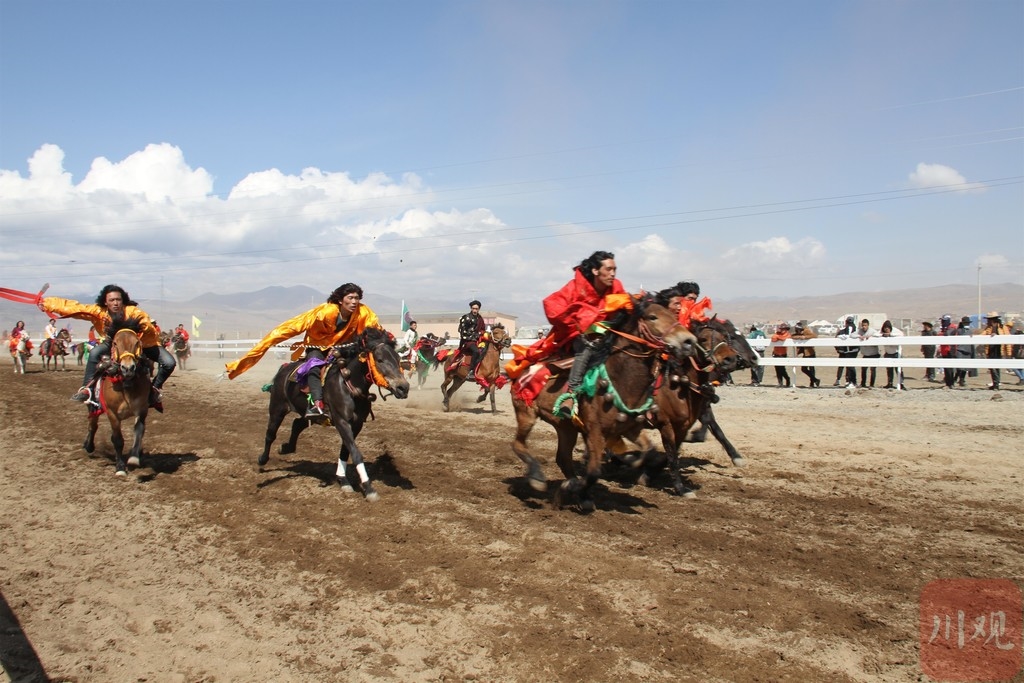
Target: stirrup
column 83, row 395
column 560, row 409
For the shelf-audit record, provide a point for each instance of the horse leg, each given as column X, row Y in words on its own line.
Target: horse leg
column 140, row 430
column 117, row 439
column 299, row 424
column 709, row 421
column 494, row 408
column 90, row 438
column 526, row 418
column 273, row 424
column 672, row 444
column 349, row 448
column 572, row 485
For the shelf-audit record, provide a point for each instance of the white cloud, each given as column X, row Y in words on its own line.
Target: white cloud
column 775, row 253
column 937, row 175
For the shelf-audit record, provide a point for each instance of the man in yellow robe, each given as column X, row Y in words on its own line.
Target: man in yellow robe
column 342, row 318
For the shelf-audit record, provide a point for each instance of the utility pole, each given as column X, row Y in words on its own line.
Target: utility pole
column 979, row 295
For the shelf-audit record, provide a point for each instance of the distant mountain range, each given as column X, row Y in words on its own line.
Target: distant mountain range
column 247, row 315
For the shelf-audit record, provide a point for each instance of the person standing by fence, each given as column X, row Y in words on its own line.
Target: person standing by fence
column 781, row 335
column 996, row 351
column 892, row 351
column 928, row 350
column 864, row 333
column 756, row 371
column 848, row 330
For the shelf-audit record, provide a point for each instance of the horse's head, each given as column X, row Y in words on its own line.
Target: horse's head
column 746, row 356
column 500, row 336
column 659, row 325
column 381, row 353
column 64, row 335
column 126, row 352
column 714, row 343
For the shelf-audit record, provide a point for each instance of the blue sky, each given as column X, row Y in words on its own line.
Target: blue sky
column 439, row 149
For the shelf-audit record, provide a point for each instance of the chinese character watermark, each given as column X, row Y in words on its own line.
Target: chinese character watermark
column 970, row 629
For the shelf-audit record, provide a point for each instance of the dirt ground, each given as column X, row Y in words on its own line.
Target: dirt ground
column 806, row 565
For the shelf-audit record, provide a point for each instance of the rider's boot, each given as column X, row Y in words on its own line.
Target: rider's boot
column 316, row 408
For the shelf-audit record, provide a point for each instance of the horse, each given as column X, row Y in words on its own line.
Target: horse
column 425, row 354
column 81, row 351
column 52, row 349
column 21, row 351
column 616, row 392
column 746, row 358
column 181, row 349
column 123, row 391
column 351, row 371
column 687, row 396
column 488, row 370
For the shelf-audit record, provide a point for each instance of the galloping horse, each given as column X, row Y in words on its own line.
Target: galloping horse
column 123, row 392
column 425, row 354
column 746, row 358
column 688, row 395
column 21, row 351
column 616, row 393
column 181, row 348
column 488, row 369
column 52, row 349
column 352, row 370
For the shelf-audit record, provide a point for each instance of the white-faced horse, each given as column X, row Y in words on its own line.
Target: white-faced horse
column 21, row 351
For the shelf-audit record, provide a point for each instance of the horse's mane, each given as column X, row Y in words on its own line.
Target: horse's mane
column 118, row 324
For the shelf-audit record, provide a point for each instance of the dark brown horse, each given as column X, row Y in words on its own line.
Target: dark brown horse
column 352, row 370
column 687, row 395
column 181, row 348
column 123, row 392
column 616, row 394
column 53, row 349
column 487, row 372
column 746, row 358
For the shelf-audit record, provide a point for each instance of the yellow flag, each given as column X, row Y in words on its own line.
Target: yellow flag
column 196, row 322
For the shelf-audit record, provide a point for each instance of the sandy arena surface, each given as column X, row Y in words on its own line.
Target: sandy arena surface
column 806, row 565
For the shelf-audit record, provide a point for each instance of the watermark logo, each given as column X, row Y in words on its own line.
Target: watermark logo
column 970, row 630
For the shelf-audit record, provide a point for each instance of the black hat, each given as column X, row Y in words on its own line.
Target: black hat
column 927, row 323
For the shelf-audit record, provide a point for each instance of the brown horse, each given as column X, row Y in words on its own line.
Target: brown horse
column 687, row 396
column 54, row 349
column 352, row 371
column 616, row 393
column 487, row 372
column 123, row 392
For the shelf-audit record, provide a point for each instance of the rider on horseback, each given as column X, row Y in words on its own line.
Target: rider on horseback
column 113, row 302
column 339, row 320
column 471, row 329
column 574, row 312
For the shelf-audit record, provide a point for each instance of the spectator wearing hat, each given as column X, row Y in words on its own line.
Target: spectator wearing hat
column 928, row 351
column 947, row 329
column 1017, row 350
column 801, row 331
column 865, row 332
column 994, row 327
column 848, row 330
column 781, row 335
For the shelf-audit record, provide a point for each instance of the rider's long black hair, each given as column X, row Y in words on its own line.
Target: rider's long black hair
column 101, row 300
column 593, row 262
column 341, row 292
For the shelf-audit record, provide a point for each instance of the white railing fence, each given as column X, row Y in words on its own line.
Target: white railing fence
column 233, row 348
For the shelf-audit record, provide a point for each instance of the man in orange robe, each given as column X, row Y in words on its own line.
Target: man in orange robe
column 342, row 318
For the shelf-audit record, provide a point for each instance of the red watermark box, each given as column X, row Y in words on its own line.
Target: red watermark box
column 970, row 630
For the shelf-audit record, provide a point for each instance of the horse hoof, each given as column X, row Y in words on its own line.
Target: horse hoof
column 372, row 497
column 120, row 473
column 587, row 505
column 538, row 484
column 346, row 487
column 688, row 493
column 262, row 460
column 133, row 461
column 739, row 462
column 89, row 448
column 286, row 449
